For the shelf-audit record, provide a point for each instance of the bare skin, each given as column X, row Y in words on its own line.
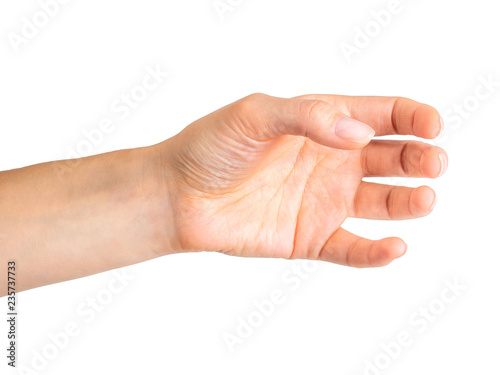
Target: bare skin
column 262, row 177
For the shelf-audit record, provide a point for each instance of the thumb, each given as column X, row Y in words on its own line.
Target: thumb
column 315, row 119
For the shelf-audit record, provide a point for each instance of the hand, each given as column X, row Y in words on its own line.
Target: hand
column 272, row 177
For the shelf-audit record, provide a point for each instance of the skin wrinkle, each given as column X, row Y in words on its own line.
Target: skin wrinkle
column 409, row 205
column 403, row 158
column 331, row 201
column 389, row 202
column 414, row 114
column 364, row 163
column 262, row 221
column 394, row 116
column 350, row 251
column 282, row 188
column 192, row 168
column 279, row 209
column 356, row 200
column 287, row 177
column 368, row 256
column 320, row 254
column 301, row 203
column 232, row 203
column 313, row 109
column 243, row 122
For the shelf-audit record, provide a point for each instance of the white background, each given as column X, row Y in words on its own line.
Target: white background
column 170, row 319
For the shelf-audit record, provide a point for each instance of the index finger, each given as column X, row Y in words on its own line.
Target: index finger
column 388, row 115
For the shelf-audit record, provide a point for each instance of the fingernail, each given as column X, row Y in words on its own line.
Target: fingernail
column 441, row 126
column 353, row 130
column 434, row 202
column 444, row 164
column 401, row 250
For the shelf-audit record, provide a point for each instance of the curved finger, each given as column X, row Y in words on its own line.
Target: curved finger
column 348, row 249
column 403, row 159
column 267, row 117
column 388, row 115
column 388, row 202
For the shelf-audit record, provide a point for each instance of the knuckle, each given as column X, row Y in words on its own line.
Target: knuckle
column 250, row 102
column 315, row 110
column 245, row 117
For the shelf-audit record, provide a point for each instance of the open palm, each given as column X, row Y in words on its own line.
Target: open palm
column 274, row 177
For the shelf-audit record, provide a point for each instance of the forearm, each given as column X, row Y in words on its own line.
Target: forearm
column 60, row 223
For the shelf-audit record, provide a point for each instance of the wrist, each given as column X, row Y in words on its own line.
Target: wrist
column 160, row 194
